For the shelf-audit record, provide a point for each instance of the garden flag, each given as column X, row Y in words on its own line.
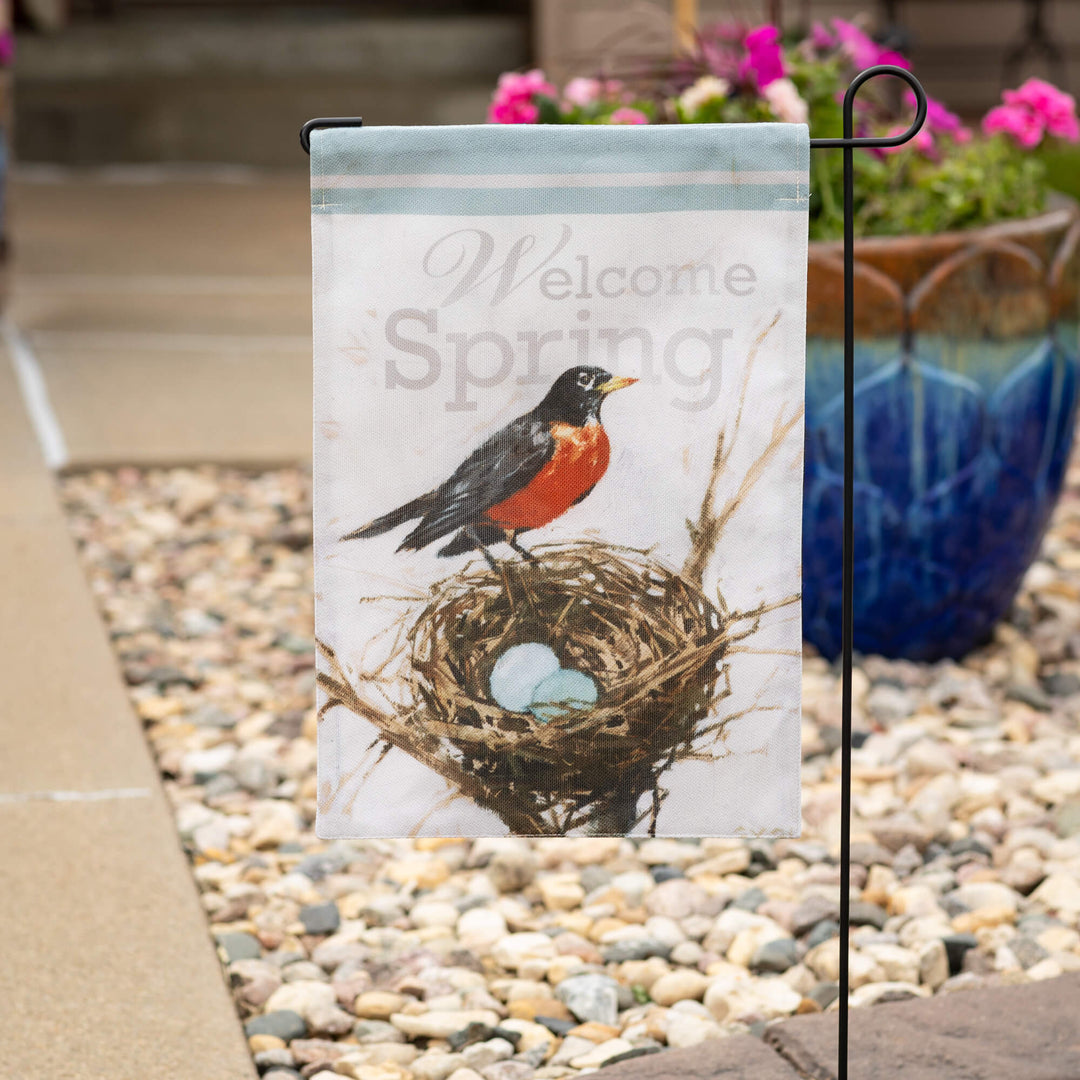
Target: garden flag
column 558, row 478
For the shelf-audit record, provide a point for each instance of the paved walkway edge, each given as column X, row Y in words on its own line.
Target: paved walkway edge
column 109, row 970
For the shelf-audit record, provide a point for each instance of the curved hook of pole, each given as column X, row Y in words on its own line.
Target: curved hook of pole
column 877, row 141
column 326, row 122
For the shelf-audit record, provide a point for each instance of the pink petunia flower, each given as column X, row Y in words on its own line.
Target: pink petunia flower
column 628, row 116
column 1024, row 125
column 862, row 50
column 1055, row 108
column 764, row 61
column 821, row 39
column 512, row 102
column 941, row 120
column 785, row 102
column 582, row 91
column 923, row 142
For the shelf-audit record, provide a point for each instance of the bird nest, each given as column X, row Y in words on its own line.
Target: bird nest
column 652, row 642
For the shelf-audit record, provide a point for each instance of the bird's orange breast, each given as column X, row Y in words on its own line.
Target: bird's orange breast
column 580, row 460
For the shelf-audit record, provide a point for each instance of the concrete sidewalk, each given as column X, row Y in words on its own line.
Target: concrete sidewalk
column 108, row 967
column 170, row 315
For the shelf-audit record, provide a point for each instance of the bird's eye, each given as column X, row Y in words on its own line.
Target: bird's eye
column 584, row 380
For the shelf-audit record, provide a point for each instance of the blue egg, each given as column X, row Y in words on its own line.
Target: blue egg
column 563, row 692
column 518, row 672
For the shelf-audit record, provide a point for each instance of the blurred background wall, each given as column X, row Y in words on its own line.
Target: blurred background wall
column 232, row 80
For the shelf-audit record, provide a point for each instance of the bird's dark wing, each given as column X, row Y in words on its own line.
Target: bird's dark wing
column 494, row 471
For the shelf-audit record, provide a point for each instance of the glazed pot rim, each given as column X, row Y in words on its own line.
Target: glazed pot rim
column 1062, row 211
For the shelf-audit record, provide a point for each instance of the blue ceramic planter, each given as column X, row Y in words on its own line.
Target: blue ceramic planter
column 966, row 393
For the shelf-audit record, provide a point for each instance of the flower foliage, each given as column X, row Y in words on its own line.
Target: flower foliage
column 945, row 178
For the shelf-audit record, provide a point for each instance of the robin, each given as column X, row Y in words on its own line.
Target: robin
column 523, row 477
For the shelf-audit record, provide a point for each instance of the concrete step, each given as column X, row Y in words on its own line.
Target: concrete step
column 199, row 88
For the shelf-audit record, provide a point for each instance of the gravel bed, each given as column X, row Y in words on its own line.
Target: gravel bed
column 507, row 959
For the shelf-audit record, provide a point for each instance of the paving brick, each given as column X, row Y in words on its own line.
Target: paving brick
column 1004, row 1033
column 741, row 1057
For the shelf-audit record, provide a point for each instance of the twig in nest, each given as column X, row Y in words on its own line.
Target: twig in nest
column 706, row 531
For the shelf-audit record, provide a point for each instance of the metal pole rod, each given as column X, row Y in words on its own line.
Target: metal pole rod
column 848, row 599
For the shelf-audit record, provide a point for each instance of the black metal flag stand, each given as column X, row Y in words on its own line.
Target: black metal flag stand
column 849, row 143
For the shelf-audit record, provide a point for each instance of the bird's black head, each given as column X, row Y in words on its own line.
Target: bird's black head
column 576, row 395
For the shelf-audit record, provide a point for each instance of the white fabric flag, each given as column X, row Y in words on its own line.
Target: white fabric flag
column 558, row 478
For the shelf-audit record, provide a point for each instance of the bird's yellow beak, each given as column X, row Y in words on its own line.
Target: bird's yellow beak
column 615, row 384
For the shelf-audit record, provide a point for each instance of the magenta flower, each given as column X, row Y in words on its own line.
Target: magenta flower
column 1016, row 120
column 862, row 50
column 763, row 61
column 923, row 141
column 512, row 102
column 628, row 116
column 940, row 120
column 821, row 39
column 1055, row 108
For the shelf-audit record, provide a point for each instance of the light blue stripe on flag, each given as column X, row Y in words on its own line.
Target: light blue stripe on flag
column 559, row 200
column 529, row 149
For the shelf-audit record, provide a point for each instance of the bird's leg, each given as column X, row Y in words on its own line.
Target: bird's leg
column 528, row 556
column 472, row 534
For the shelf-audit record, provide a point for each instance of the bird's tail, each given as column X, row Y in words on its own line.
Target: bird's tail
column 417, row 508
column 485, row 534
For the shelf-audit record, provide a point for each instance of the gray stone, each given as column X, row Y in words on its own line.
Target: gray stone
column 376, row 1031
column 284, row 1023
column 888, row 704
column 812, row 911
column 1067, row 818
column 512, row 869
column 827, row 928
column 634, row 949
column 865, row 853
column 679, row 898
column 218, row 786
column 864, row 914
column 211, row 716
column 591, row 997
column 750, row 900
column 320, row 918
column 825, row 994
column 594, row 877
column 1029, row 695
column 1027, row 951
column 240, row 946
column 268, row 1059
column 810, row 851
column 662, row 873
column 776, row 956
column 1061, row 684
